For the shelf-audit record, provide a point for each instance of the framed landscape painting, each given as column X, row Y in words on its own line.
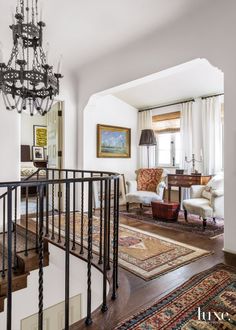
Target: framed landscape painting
column 113, row 142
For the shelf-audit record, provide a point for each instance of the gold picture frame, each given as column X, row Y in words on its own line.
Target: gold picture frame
column 113, row 141
column 40, row 136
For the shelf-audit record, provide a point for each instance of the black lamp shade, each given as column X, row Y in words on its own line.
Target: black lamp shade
column 147, row 138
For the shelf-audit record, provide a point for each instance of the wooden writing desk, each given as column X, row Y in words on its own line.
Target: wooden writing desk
column 185, row 181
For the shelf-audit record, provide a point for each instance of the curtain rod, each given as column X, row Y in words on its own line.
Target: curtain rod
column 167, row 105
column 208, row 96
column 179, row 102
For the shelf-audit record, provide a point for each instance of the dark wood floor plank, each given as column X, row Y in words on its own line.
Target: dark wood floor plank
column 135, row 293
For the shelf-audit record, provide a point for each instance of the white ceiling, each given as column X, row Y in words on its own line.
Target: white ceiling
column 83, row 30
column 192, row 79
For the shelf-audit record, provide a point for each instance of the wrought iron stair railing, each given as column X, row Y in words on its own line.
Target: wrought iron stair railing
column 64, row 215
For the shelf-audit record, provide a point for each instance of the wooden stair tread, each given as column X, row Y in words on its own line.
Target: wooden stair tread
column 19, row 282
column 25, row 263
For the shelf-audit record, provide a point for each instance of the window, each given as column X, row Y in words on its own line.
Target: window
column 168, row 149
column 167, row 129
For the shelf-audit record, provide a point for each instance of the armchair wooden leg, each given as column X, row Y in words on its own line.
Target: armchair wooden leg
column 141, row 206
column 214, row 219
column 204, row 223
column 127, row 207
column 186, row 215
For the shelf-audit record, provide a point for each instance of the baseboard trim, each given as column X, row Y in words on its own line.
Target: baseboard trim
column 229, row 251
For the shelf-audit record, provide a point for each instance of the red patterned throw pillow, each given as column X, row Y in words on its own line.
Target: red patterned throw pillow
column 149, row 178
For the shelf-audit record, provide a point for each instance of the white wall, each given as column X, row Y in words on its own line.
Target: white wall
column 9, row 148
column 109, row 110
column 9, row 144
column 69, row 95
column 27, row 127
column 25, row 302
column 206, row 34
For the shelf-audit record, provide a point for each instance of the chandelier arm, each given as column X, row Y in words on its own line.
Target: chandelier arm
column 39, row 109
column 41, row 105
column 42, row 55
column 4, row 100
column 13, row 54
column 20, row 108
column 46, row 107
column 37, row 60
column 17, row 102
column 8, row 102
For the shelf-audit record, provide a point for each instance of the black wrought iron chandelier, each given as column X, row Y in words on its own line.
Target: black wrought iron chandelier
column 27, row 81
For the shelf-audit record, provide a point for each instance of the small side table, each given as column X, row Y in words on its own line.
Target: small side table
column 185, row 181
column 165, row 211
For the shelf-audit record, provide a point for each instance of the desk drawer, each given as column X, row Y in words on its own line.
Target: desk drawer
column 183, row 180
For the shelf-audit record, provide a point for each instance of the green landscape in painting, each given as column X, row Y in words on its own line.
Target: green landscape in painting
column 113, row 142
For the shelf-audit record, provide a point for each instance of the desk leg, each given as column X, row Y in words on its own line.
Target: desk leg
column 179, row 194
column 169, row 194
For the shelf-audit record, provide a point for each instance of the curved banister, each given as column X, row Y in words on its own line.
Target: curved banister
column 67, row 221
column 26, row 179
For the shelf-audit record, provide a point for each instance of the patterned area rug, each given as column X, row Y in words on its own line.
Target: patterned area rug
column 194, row 224
column 142, row 253
column 188, row 307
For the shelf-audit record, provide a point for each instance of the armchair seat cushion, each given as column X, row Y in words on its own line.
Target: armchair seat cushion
column 198, row 206
column 142, row 197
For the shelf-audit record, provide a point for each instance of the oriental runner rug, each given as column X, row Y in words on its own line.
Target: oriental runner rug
column 193, row 226
column 145, row 254
column 206, row 302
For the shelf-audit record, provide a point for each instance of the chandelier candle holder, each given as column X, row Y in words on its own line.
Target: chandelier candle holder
column 27, row 81
column 193, row 161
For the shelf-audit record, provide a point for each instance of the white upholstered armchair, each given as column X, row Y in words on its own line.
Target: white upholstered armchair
column 206, row 201
column 144, row 193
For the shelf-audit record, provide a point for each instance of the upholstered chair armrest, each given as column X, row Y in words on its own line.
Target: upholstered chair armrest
column 132, row 186
column 217, row 204
column 196, row 191
column 217, row 193
column 160, row 189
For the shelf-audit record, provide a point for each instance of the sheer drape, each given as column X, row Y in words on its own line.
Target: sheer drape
column 145, row 122
column 186, row 129
column 212, row 135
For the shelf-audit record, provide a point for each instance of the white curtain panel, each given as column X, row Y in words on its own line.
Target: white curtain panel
column 212, row 135
column 145, row 122
column 186, row 130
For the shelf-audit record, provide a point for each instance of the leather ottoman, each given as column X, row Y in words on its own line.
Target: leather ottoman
column 167, row 211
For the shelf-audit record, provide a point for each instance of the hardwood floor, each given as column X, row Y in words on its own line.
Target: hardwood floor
column 135, row 293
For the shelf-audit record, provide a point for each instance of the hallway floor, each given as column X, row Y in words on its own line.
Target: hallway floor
column 135, row 293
